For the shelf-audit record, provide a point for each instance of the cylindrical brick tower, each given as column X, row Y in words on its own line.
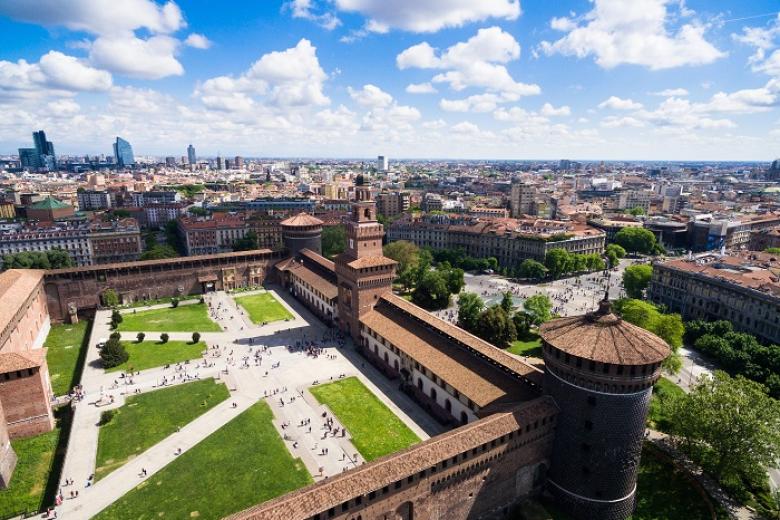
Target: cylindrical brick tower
column 7, row 454
column 600, row 370
column 302, row 231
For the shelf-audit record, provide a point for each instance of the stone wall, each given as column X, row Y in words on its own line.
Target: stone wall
column 7, row 454
column 82, row 287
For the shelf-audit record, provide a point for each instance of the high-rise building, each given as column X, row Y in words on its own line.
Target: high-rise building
column 238, row 163
column 42, row 156
column 29, row 158
column 170, row 161
column 191, row 154
column 43, row 146
column 220, row 163
column 522, row 199
column 381, row 163
column 123, row 152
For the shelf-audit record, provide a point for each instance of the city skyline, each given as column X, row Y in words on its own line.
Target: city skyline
column 490, row 80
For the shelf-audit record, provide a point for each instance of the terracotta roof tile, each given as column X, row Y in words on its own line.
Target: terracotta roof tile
column 15, row 286
column 329, row 290
column 321, row 260
column 301, row 220
column 605, row 338
column 371, row 261
column 13, row 361
column 482, row 347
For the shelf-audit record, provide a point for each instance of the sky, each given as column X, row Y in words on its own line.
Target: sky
column 456, row 79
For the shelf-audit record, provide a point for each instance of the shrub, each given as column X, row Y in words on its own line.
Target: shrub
column 113, row 353
column 106, row 417
column 140, row 337
column 174, row 302
column 195, row 337
column 164, row 337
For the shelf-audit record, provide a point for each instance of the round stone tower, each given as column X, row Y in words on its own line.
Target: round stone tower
column 600, row 370
column 302, row 231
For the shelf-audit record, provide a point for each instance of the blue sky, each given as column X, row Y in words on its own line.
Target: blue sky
column 607, row 79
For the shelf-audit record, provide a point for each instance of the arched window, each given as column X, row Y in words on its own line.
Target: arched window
column 433, row 393
column 448, row 405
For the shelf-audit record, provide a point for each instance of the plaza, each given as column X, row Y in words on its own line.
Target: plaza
column 276, row 363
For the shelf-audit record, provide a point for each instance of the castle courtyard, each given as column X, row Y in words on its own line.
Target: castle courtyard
column 276, row 363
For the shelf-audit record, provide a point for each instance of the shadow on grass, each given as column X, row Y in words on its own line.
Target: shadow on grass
column 64, row 417
column 81, row 360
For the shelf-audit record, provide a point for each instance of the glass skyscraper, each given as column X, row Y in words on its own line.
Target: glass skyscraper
column 123, row 152
column 191, row 154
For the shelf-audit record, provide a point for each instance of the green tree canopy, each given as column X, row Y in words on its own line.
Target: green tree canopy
column 158, row 252
column 539, row 308
column 470, row 305
column 334, row 240
column 113, row 353
column 730, row 425
column 110, row 298
column 637, row 240
column 614, row 253
column 246, row 243
column 406, row 253
column 558, row 262
column 530, row 268
column 432, row 292
column 507, row 303
column 496, row 326
column 636, row 278
column 52, row 259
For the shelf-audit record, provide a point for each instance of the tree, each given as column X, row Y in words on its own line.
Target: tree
column 52, row 259
column 730, row 425
column 636, row 240
column 507, row 302
column 59, row 259
column 635, row 211
column 496, row 327
column 773, row 250
column 470, row 305
column 246, row 243
column 432, row 292
column 530, row 268
column 636, row 278
column 116, row 316
column 159, row 252
column 195, row 337
column 334, row 240
column 614, row 253
column 174, row 302
column 113, row 353
column 197, row 211
column 558, row 262
column 455, row 280
column 408, row 278
column 539, row 308
column 110, row 298
column 164, row 337
column 407, row 254
column 140, row 337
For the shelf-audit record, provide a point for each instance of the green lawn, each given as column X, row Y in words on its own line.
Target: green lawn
column 150, row 354
column 263, row 307
column 148, row 418
column 243, row 463
column 529, row 344
column 184, row 318
column 375, row 429
column 663, row 391
column 65, row 343
column 29, row 481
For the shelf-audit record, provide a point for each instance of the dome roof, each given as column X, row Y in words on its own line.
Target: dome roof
column 603, row 337
column 301, row 220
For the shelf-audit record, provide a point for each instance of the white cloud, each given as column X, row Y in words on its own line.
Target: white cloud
column 617, row 32
column 421, row 88
column 370, row 96
column 151, row 58
column 763, row 40
column 465, row 127
column 475, row 103
column 288, row 78
column 619, row 122
column 55, row 74
column 551, row 111
column 427, row 15
column 616, row 103
column 436, row 124
column 307, row 10
column 117, row 47
column 670, row 92
column 63, row 107
column 477, row 62
column 197, row 41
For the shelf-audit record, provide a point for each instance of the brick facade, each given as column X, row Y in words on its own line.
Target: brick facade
column 82, row 287
column 7, row 454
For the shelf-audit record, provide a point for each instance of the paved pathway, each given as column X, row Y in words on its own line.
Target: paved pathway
column 280, row 375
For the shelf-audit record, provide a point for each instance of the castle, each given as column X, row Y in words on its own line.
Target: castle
column 572, row 426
